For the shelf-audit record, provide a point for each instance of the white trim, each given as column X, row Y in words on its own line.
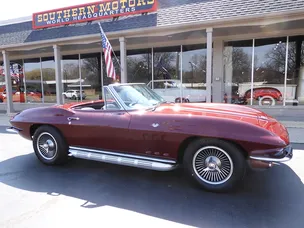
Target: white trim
column 152, row 63
column 209, row 64
column 181, row 72
column 15, row 20
column 261, row 35
column 252, row 71
column 286, row 68
column 116, row 48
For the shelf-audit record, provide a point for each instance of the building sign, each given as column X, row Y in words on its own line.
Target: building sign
column 92, row 11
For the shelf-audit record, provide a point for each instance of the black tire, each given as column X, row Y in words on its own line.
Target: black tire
column 225, row 154
column 54, row 140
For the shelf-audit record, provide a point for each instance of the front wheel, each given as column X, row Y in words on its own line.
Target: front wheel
column 215, row 165
column 49, row 145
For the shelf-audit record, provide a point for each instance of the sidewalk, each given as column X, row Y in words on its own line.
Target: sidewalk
column 295, row 128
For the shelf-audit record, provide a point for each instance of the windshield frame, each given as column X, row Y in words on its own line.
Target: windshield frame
column 117, row 97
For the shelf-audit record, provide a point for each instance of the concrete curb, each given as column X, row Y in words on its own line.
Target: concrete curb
column 293, row 124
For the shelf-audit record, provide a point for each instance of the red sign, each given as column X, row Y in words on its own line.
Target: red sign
column 92, row 11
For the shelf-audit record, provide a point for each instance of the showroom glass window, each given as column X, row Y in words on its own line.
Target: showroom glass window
column 71, row 78
column 237, row 71
column 194, row 64
column 269, row 72
column 32, row 83
column 166, row 76
column 48, row 79
column 295, row 73
column 139, row 66
column 90, row 76
column 2, row 82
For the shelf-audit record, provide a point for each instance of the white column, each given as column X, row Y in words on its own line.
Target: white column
column 8, row 83
column 209, row 63
column 123, row 60
column 228, row 71
column 218, row 72
column 58, row 74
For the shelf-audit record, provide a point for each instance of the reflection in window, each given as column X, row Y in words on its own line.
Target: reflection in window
column 237, row 72
column 139, row 64
column 194, row 73
column 295, row 73
column 90, row 75
column 2, row 83
column 32, row 83
column 269, row 72
column 167, row 63
column 49, row 79
column 167, row 67
column 71, row 78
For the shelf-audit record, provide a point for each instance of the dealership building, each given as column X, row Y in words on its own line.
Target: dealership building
column 231, row 51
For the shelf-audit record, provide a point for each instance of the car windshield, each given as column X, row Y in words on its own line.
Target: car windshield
column 138, row 96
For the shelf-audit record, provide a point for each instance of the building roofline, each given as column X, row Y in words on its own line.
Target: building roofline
column 15, row 20
column 257, row 19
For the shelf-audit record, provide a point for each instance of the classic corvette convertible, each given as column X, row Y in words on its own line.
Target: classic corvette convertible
column 133, row 126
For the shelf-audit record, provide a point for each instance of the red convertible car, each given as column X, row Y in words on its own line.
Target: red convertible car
column 133, row 126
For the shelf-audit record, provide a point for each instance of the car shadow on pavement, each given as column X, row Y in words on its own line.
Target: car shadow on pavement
column 266, row 199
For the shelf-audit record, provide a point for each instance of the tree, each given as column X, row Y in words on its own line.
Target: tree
column 275, row 63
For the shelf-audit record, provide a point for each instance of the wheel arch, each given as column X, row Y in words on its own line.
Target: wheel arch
column 34, row 128
column 187, row 141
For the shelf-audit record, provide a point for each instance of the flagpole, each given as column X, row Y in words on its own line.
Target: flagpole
column 101, row 30
column 101, row 73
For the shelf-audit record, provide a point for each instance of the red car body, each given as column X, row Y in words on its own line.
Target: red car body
column 161, row 134
column 263, row 92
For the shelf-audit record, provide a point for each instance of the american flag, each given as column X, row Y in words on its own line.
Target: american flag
column 107, row 49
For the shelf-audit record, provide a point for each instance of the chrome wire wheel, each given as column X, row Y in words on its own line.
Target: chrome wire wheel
column 212, row 165
column 47, row 146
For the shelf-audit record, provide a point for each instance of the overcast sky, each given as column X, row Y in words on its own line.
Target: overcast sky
column 23, row 8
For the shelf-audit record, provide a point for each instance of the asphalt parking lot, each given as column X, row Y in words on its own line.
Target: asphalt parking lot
column 92, row 194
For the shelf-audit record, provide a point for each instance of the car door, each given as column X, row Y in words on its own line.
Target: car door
column 99, row 129
column 103, row 130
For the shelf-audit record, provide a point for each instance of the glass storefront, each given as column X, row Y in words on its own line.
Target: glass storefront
column 90, row 76
column 271, row 78
column 194, row 62
column 255, row 72
column 32, row 84
column 237, row 71
column 139, row 63
column 71, row 80
column 48, row 79
column 2, row 83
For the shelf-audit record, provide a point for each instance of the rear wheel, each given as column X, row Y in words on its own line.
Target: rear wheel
column 215, row 165
column 49, row 145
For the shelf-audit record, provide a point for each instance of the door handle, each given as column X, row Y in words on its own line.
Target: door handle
column 72, row 118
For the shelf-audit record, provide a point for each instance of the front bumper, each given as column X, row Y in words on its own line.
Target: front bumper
column 13, row 130
column 283, row 155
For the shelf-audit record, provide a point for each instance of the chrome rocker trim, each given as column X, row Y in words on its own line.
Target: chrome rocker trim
column 283, row 155
column 123, row 159
column 12, row 130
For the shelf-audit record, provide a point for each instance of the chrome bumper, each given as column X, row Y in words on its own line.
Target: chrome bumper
column 12, row 130
column 283, row 155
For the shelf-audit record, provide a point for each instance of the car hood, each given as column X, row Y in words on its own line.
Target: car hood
column 228, row 111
